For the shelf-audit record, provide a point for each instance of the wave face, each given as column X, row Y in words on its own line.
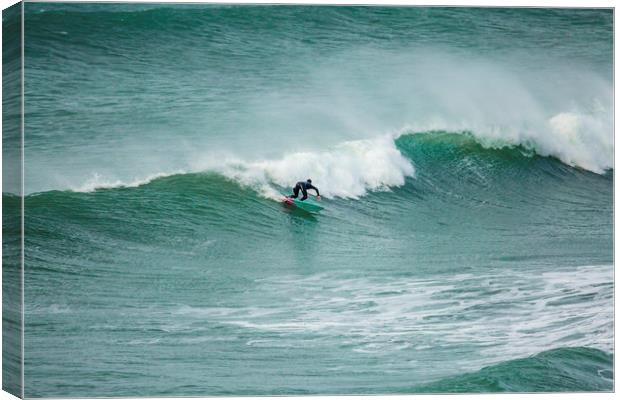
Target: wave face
column 464, row 157
column 558, row 370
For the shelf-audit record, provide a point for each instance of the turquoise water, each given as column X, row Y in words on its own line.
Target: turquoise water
column 465, row 158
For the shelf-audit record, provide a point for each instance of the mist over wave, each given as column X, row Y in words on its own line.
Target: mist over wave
column 359, row 93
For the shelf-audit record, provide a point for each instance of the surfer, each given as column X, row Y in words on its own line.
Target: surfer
column 304, row 187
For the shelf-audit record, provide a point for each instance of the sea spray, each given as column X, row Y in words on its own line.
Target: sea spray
column 329, row 94
column 348, row 170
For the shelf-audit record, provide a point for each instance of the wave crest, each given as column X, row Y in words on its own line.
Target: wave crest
column 351, row 169
column 577, row 139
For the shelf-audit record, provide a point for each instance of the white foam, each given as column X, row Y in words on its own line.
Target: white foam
column 348, row 170
column 490, row 317
column 98, row 181
column 580, row 140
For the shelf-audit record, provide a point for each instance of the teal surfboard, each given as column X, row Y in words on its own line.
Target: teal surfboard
column 309, row 204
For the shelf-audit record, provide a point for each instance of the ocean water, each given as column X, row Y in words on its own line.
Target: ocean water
column 464, row 155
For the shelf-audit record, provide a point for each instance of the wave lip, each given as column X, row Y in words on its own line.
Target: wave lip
column 576, row 139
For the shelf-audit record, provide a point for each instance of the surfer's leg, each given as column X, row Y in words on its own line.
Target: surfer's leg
column 305, row 194
column 295, row 192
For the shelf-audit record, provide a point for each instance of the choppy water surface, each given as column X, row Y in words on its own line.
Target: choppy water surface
column 466, row 162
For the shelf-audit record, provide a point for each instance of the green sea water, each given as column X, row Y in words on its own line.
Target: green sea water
column 464, row 157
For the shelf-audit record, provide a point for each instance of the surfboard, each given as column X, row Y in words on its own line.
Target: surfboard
column 309, row 204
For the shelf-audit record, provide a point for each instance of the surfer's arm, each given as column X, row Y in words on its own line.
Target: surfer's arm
column 315, row 189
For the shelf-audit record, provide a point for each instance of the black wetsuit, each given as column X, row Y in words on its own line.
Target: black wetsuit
column 304, row 187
